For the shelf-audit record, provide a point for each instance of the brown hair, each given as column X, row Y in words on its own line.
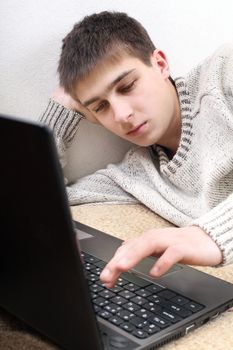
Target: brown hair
column 99, row 36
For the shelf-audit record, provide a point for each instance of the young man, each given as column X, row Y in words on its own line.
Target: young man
column 182, row 166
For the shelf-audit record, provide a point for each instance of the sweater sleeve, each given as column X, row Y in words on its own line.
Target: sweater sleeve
column 95, row 188
column 218, row 224
column 64, row 123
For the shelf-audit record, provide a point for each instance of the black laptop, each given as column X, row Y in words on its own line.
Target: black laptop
column 50, row 266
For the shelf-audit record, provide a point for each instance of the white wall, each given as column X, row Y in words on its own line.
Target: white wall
column 31, row 33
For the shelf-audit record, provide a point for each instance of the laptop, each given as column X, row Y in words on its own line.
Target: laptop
column 50, row 265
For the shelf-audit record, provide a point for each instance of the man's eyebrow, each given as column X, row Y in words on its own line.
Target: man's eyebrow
column 109, row 87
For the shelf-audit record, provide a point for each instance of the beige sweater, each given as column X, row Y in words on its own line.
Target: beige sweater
column 195, row 187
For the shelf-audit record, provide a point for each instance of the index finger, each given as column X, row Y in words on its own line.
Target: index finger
column 126, row 257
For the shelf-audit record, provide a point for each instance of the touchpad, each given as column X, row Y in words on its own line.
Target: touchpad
column 146, row 264
column 141, row 268
column 82, row 234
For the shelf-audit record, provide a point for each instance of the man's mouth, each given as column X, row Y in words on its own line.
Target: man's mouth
column 136, row 130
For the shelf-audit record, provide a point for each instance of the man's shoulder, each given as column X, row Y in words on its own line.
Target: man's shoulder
column 221, row 61
column 212, row 71
column 224, row 50
column 218, row 56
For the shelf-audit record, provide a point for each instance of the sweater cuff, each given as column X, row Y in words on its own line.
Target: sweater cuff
column 62, row 121
column 218, row 224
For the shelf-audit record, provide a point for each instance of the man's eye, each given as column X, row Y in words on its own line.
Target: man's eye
column 128, row 87
column 100, row 107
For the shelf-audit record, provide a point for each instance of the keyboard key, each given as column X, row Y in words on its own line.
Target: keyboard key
column 127, row 294
column 159, row 321
column 145, row 314
column 89, row 266
column 128, row 327
column 154, row 288
column 104, row 314
column 116, row 289
column 138, row 322
column 100, row 284
column 90, row 258
column 121, row 282
column 95, row 288
column 180, row 300
column 152, row 307
column 131, row 306
column 119, row 300
column 113, row 308
column 139, row 300
column 194, row 307
column 101, row 264
column 131, row 287
column 143, row 293
column 94, row 295
column 100, row 301
column 156, row 299
column 107, row 294
column 125, row 314
column 92, row 277
column 151, row 329
column 168, row 315
column 179, row 310
column 116, row 320
column 96, row 270
column 96, row 308
column 167, row 294
column 139, row 333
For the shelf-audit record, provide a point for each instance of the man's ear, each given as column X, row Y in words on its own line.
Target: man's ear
column 159, row 59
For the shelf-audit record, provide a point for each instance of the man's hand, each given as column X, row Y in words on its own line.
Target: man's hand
column 60, row 96
column 188, row 245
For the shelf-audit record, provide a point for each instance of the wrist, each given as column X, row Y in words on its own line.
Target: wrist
column 64, row 99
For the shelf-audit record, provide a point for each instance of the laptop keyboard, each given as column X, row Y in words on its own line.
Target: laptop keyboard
column 134, row 304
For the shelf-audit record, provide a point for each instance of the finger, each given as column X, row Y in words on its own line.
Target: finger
column 171, row 256
column 108, row 278
column 127, row 256
column 111, row 272
column 114, row 268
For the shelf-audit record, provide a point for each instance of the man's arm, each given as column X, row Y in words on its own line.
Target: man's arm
column 63, row 115
column 208, row 241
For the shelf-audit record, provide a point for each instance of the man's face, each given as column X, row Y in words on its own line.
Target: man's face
column 134, row 101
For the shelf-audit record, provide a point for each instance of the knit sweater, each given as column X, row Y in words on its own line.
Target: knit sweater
column 195, row 187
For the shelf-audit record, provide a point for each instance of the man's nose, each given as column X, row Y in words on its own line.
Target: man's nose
column 122, row 111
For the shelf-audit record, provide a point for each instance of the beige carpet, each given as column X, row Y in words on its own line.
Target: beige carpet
column 126, row 221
